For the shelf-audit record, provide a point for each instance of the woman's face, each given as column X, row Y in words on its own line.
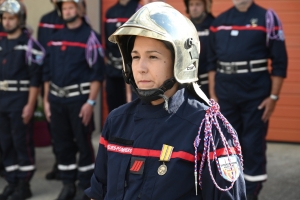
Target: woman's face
column 152, row 63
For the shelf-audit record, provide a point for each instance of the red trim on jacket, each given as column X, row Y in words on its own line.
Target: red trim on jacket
column 115, row 20
column 240, row 28
column 156, row 153
column 68, row 43
column 53, row 26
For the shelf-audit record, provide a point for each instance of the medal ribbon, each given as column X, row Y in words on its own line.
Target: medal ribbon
column 166, row 153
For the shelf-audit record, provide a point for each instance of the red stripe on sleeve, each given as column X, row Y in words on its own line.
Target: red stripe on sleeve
column 240, row 28
column 52, row 26
column 66, row 43
column 115, row 20
column 103, row 141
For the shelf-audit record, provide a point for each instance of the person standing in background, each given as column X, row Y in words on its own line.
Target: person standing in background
column 199, row 12
column 73, row 71
column 2, row 34
column 20, row 78
column 115, row 85
column 49, row 24
column 242, row 40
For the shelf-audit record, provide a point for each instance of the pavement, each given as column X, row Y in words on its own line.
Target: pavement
column 283, row 173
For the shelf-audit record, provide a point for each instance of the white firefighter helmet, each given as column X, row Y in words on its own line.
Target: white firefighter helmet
column 14, row 7
column 161, row 21
column 81, row 6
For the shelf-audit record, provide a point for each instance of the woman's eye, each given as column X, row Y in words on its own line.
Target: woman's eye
column 134, row 57
column 153, row 57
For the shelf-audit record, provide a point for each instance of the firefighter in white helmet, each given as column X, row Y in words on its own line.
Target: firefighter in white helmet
column 73, row 71
column 20, row 78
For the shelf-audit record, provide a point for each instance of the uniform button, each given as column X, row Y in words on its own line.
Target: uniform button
column 63, row 48
column 4, row 61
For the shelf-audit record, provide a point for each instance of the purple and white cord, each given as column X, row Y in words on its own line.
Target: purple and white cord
column 210, row 119
column 93, row 47
column 29, row 58
column 138, row 7
column 272, row 33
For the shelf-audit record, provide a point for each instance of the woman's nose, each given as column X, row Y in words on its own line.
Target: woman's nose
column 142, row 66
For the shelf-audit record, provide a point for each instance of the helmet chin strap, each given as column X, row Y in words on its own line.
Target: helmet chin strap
column 200, row 18
column 155, row 93
column 72, row 19
column 12, row 30
column 200, row 93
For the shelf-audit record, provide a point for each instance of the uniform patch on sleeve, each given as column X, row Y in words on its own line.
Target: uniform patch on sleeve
column 229, row 167
column 137, row 165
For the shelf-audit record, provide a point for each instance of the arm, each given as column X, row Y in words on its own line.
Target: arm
column 97, row 190
column 278, row 55
column 29, row 107
column 96, row 77
column 269, row 104
column 87, row 109
column 46, row 101
column 35, row 74
column 211, row 85
column 46, row 79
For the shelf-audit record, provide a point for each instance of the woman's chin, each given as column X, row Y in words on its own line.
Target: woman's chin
column 145, row 87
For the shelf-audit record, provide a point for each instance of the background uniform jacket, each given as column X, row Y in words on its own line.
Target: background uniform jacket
column 203, row 33
column 13, row 66
column 66, row 63
column 49, row 24
column 250, row 43
column 115, row 17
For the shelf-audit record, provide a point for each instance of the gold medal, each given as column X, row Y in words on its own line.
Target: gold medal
column 162, row 170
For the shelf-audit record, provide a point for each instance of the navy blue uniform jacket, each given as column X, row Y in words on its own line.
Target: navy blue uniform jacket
column 66, row 64
column 249, row 44
column 13, row 66
column 203, row 33
column 50, row 23
column 138, row 130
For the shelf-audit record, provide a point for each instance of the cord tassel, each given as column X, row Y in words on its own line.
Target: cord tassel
column 211, row 118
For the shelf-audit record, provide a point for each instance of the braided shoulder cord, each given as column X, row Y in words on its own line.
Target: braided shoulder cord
column 271, row 28
column 93, row 47
column 210, row 119
column 29, row 58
